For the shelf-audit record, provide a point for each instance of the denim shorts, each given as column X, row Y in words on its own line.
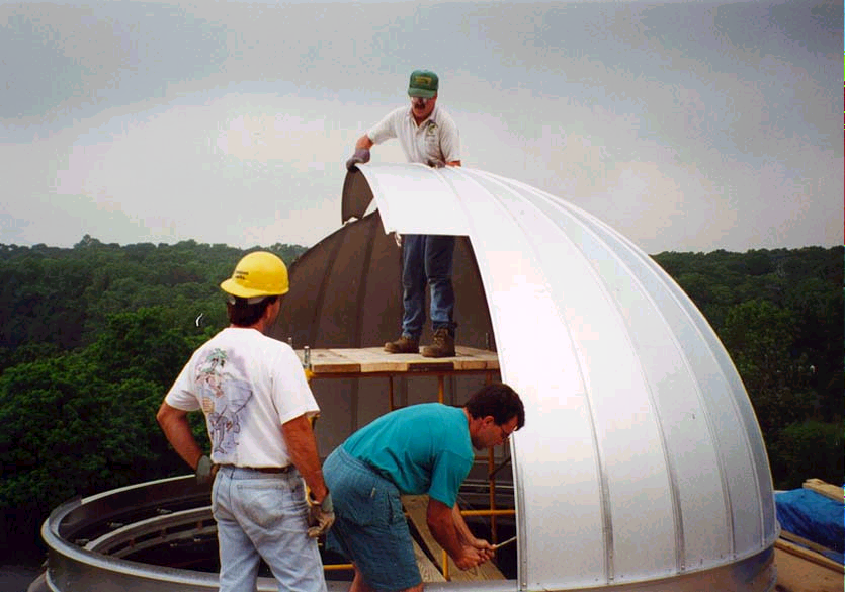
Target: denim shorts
column 370, row 527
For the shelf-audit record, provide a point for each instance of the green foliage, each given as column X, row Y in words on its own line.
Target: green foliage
column 82, row 422
column 63, row 297
column 780, row 315
column 147, row 344
column 759, row 336
column 51, row 415
column 91, row 340
column 808, row 449
column 92, row 337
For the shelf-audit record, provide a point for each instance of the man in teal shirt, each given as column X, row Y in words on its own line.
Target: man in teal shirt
column 422, row 449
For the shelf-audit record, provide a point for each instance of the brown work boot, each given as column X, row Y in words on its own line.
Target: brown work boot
column 403, row 345
column 442, row 345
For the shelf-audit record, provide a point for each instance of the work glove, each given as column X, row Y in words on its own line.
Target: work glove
column 436, row 163
column 206, row 470
column 320, row 516
column 361, row 155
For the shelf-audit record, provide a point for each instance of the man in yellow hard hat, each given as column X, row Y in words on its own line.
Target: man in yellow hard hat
column 257, row 404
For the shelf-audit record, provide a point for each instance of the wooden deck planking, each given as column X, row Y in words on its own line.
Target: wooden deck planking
column 796, row 573
column 326, row 360
column 375, row 359
column 355, row 361
column 416, row 506
column 470, row 358
column 428, row 571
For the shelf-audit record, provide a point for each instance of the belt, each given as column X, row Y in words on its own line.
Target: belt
column 268, row 470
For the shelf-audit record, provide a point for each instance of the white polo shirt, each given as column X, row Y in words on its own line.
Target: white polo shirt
column 435, row 138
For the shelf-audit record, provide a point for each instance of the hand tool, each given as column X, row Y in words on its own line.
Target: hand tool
column 503, row 543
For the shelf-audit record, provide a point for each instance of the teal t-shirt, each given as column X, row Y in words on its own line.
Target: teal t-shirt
column 422, row 449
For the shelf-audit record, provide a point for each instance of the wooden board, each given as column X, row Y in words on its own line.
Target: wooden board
column 416, row 506
column 797, row 574
column 809, row 555
column 326, row 360
column 428, row 571
column 354, row 361
column 799, row 540
column 826, row 489
column 470, row 358
column 377, row 360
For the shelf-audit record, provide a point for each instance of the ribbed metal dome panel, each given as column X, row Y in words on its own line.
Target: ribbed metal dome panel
column 641, row 457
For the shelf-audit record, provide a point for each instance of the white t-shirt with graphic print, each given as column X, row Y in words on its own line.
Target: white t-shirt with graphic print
column 247, row 385
column 435, row 138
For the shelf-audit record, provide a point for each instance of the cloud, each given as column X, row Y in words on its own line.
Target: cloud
column 686, row 126
column 232, row 169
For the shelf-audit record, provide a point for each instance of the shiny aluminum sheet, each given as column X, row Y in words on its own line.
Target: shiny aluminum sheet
column 175, row 514
column 641, row 457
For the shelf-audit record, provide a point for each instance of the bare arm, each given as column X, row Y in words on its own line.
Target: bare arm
column 174, row 424
column 441, row 521
column 464, row 533
column 363, row 143
column 302, row 448
column 467, row 537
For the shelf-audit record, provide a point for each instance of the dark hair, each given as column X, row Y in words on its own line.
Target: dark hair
column 244, row 314
column 498, row 400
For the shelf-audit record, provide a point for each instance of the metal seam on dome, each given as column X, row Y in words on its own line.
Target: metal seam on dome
column 601, row 465
column 321, row 293
column 670, row 465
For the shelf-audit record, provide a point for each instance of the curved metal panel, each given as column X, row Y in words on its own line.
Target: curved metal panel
column 637, row 425
column 421, row 205
column 145, row 513
column 355, row 197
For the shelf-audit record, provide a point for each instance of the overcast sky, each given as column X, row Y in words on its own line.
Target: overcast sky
column 687, row 126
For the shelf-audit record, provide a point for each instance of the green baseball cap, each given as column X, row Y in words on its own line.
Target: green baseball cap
column 423, row 84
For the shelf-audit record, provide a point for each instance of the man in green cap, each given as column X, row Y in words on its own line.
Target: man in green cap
column 428, row 135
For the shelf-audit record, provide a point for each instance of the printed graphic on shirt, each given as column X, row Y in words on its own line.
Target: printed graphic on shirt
column 432, row 142
column 224, row 396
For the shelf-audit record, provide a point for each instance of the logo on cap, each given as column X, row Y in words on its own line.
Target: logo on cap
column 423, row 84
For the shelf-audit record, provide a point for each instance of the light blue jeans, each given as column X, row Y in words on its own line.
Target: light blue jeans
column 427, row 259
column 264, row 516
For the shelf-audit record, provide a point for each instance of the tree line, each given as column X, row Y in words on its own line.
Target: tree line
column 92, row 337
column 779, row 313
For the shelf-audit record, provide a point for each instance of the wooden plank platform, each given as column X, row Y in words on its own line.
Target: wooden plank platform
column 370, row 360
column 801, row 570
column 428, row 571
column 415, row 506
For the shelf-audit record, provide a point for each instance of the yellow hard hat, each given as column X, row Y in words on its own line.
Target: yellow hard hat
column 258, row 274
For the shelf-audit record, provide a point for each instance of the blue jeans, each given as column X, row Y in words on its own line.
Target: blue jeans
column 427, row 259
column 264, row 516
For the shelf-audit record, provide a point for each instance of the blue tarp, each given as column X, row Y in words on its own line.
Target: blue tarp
column 815, row 517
